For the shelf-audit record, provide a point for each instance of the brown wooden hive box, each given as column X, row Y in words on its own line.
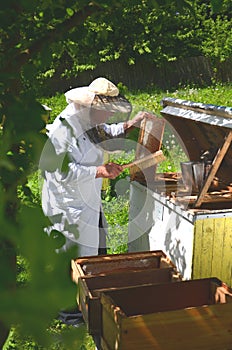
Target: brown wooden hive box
column 96, row 274
column 193, row 314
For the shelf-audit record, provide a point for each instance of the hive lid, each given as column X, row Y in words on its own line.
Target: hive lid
column 201, row 127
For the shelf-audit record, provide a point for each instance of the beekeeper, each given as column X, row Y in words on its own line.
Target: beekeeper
column 72, row 161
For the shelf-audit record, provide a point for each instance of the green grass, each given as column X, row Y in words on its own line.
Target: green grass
column 217, row 94
column 62, row 338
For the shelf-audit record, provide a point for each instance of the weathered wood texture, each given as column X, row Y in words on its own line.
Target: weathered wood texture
column 215, row 166
column 149, row 141
column 212, row 248
column 146, row 162
column 90, row 290
column 203, row 127
column 196, row 70
column 95, row 265
column 181, row 315
column 95, row 275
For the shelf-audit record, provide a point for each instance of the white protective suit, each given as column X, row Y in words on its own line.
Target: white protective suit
column 72, row 200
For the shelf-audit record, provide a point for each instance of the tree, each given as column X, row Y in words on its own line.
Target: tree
column 28, row 39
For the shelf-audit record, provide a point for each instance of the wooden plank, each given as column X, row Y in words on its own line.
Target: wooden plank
column 227, row 252
column 149, row 141
column 82, row 302
column 118, row 257
column 161, row 297
column 202, row 139
column 197, row 249
column 111, row 324
column 207, row 247
column 150, row 135
column 128, row 278
column 223, row 197
column 192, row 329
column 160, row 276
column 219, row 200
column 94, row 324
column 147, row 161
column 116, row 266
column 188, row 317
column 104, row 345
column 215, row 165
column 91, row 289
column 88, row 266
column 198, row 107
column 76, row 271
column 95, row 274
column 82, row 266
column 218, row 240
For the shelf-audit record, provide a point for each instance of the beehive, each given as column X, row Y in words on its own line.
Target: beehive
column 193, row 229
column 96, row 274
column 170, row 316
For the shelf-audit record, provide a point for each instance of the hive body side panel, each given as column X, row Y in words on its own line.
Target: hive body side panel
column 111, row 326
column 227, row 252
column 197, row 328
column 213, row 248
column 203, row 247
column 197, row 252
column 218, row 242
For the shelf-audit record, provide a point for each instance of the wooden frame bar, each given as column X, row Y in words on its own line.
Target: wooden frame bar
column 216, row 164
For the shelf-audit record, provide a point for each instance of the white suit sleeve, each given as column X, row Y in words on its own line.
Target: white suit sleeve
column 68, row 167
column 79, row 172
column 114, row 129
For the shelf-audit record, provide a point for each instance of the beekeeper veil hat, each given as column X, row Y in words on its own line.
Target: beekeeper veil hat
column 101, row 94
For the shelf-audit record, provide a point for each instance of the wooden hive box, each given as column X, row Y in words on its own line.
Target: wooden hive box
column 193, row 227
column 115, row 263
column 96, row 274
column 179, row 315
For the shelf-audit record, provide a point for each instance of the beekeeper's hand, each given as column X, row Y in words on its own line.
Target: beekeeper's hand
column 109, row 170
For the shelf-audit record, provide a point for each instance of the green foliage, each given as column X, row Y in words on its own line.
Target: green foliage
column 214, row 31
column 116, row 212
column 173, row 153
column 57, row 103
column 217, row 94
column 55, row 39
column 30, row 194
column 120, row 185
column 49, row 283
column 23, row 271
column 217, row 44
column 63, row 338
